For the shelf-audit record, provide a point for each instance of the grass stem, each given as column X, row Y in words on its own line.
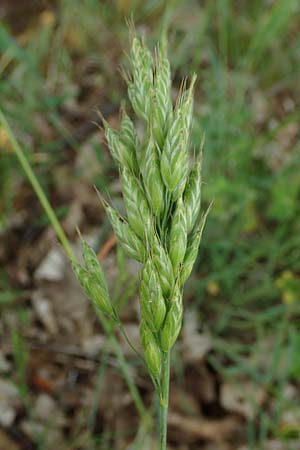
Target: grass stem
column 164, row 400
column 108, row 328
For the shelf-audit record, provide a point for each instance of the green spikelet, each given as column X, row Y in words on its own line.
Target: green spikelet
column 138, row 211
column 82, row 275
column 178, row 236
column 129, row 241
column 175, row 157
column 163, row 266
column 94, row 285
column 173, row 322
column 151, row 350
column 187, row 102
column 192, row 249
column 139, row 89
column 113, row 141
column 192, row 195
column 123, row 154
column 162, row 105
column 92, row 263
column 152, row 301
column 128, row 135
column 152, row 179
column 141, row 62
column 174, row 160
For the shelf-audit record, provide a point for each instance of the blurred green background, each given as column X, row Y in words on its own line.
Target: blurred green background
column 59, row 63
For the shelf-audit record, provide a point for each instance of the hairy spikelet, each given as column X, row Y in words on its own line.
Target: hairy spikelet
column 152, row 302
column 113, row 141
column 138, row 211
column 178, row 236
column 141, row 62
column 186, row 106
column 192, row 250
column 151, row 350
column 192, row 195
column 176, row 150
column 172, row 325
column 129, row 241
column 128, row 135
column 94, row 285
column 163, row 266
column 174, row 160
column 139, row 89
column 123, row 154
column 162, row 105
column 93, row 265
column 151, row 177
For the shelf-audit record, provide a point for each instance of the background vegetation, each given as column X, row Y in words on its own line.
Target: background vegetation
column 59, row 63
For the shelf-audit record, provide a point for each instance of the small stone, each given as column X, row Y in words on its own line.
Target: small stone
column 4, row 364
column 52, row 267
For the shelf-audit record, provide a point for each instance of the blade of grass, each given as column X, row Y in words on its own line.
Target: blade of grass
column 269, row 28
column 38, row 189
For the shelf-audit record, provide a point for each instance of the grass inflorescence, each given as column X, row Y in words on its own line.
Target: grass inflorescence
column 162, row 194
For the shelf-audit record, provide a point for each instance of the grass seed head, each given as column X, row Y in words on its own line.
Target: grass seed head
column 161, row 195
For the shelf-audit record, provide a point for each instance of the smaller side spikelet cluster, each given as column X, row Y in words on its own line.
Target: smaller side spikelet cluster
column 162, row 194
column 93, row 282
